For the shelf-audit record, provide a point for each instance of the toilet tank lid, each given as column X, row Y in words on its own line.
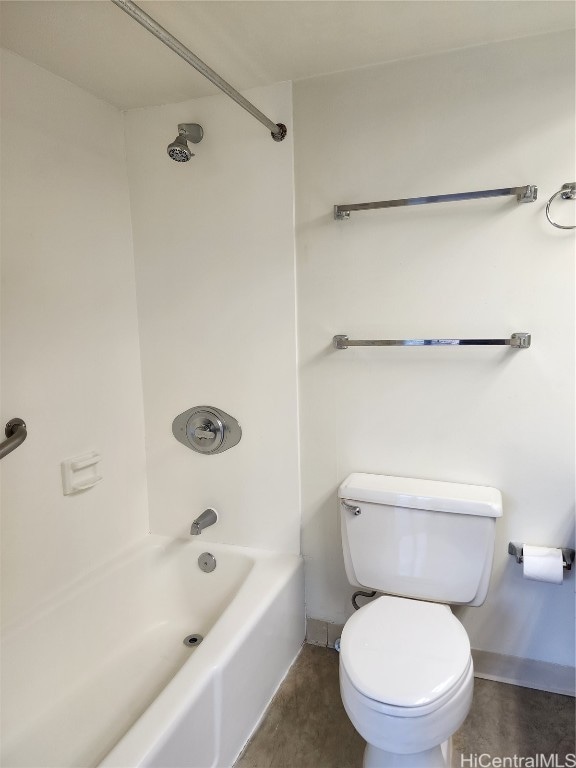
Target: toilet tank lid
column 412, row 493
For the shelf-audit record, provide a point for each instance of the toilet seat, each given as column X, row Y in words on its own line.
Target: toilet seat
column 380, row 707
column 407, row 656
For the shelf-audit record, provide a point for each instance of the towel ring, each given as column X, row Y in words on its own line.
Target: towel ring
column 568, row 192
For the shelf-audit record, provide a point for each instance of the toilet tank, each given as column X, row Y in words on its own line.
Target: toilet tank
column 424, row 539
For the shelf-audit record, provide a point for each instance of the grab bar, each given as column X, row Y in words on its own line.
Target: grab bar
column 516, row 341
column 16, row 433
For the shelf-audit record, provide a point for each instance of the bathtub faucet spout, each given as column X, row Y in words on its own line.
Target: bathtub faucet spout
column 207, row 518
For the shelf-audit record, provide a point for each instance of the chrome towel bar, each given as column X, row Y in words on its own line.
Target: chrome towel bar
column 527, row 194
column 516, row 341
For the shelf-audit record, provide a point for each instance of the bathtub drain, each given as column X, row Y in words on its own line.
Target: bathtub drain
column 193, row 640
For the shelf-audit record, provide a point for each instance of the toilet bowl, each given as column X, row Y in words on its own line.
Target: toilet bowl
column 406, row 680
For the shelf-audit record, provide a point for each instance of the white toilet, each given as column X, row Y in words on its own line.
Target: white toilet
column 406, row 675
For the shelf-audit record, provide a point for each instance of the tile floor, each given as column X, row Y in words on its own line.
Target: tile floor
column 306, row 726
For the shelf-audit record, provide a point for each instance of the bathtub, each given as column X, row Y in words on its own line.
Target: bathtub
column 100, row 675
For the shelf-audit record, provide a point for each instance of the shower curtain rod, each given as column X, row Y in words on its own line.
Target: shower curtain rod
column 278, row 130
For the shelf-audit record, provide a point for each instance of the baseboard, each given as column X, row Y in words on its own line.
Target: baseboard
column 513, row 670
column 527, row 673
column 322, row 633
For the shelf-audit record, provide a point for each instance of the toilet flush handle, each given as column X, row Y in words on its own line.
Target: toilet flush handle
column 351, row 508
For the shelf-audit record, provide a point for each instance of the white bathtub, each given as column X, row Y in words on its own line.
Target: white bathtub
column 100, row 674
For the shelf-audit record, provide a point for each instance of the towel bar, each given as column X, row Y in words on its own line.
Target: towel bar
column 516, row 341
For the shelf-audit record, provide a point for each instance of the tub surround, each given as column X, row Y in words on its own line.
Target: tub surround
column 70, row 347
column 60, row 267
column 225, row 230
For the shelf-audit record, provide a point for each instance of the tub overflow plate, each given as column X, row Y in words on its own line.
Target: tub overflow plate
column 207, row 562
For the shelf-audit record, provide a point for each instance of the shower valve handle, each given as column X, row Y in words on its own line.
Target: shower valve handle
column 206, row 429
column 204, row 433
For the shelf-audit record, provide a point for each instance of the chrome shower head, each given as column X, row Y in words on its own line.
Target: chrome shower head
column 179, row 150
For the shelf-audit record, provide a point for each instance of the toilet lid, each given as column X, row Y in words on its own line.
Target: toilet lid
column 406, row 653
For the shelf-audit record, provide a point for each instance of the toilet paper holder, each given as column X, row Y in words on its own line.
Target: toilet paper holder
column 517, row 550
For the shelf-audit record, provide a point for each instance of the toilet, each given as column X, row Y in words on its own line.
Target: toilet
column 406, row 673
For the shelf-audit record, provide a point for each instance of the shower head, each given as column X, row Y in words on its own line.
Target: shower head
column 179, row 150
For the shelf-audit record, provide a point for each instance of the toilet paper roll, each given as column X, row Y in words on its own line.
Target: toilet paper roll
column 543, row 564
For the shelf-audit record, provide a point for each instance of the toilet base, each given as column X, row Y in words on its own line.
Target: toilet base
column 437, row 757
column 419, row 739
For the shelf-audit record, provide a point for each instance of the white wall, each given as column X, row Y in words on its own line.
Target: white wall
column 214, row 252
column 70, row 357
column 488, row 117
